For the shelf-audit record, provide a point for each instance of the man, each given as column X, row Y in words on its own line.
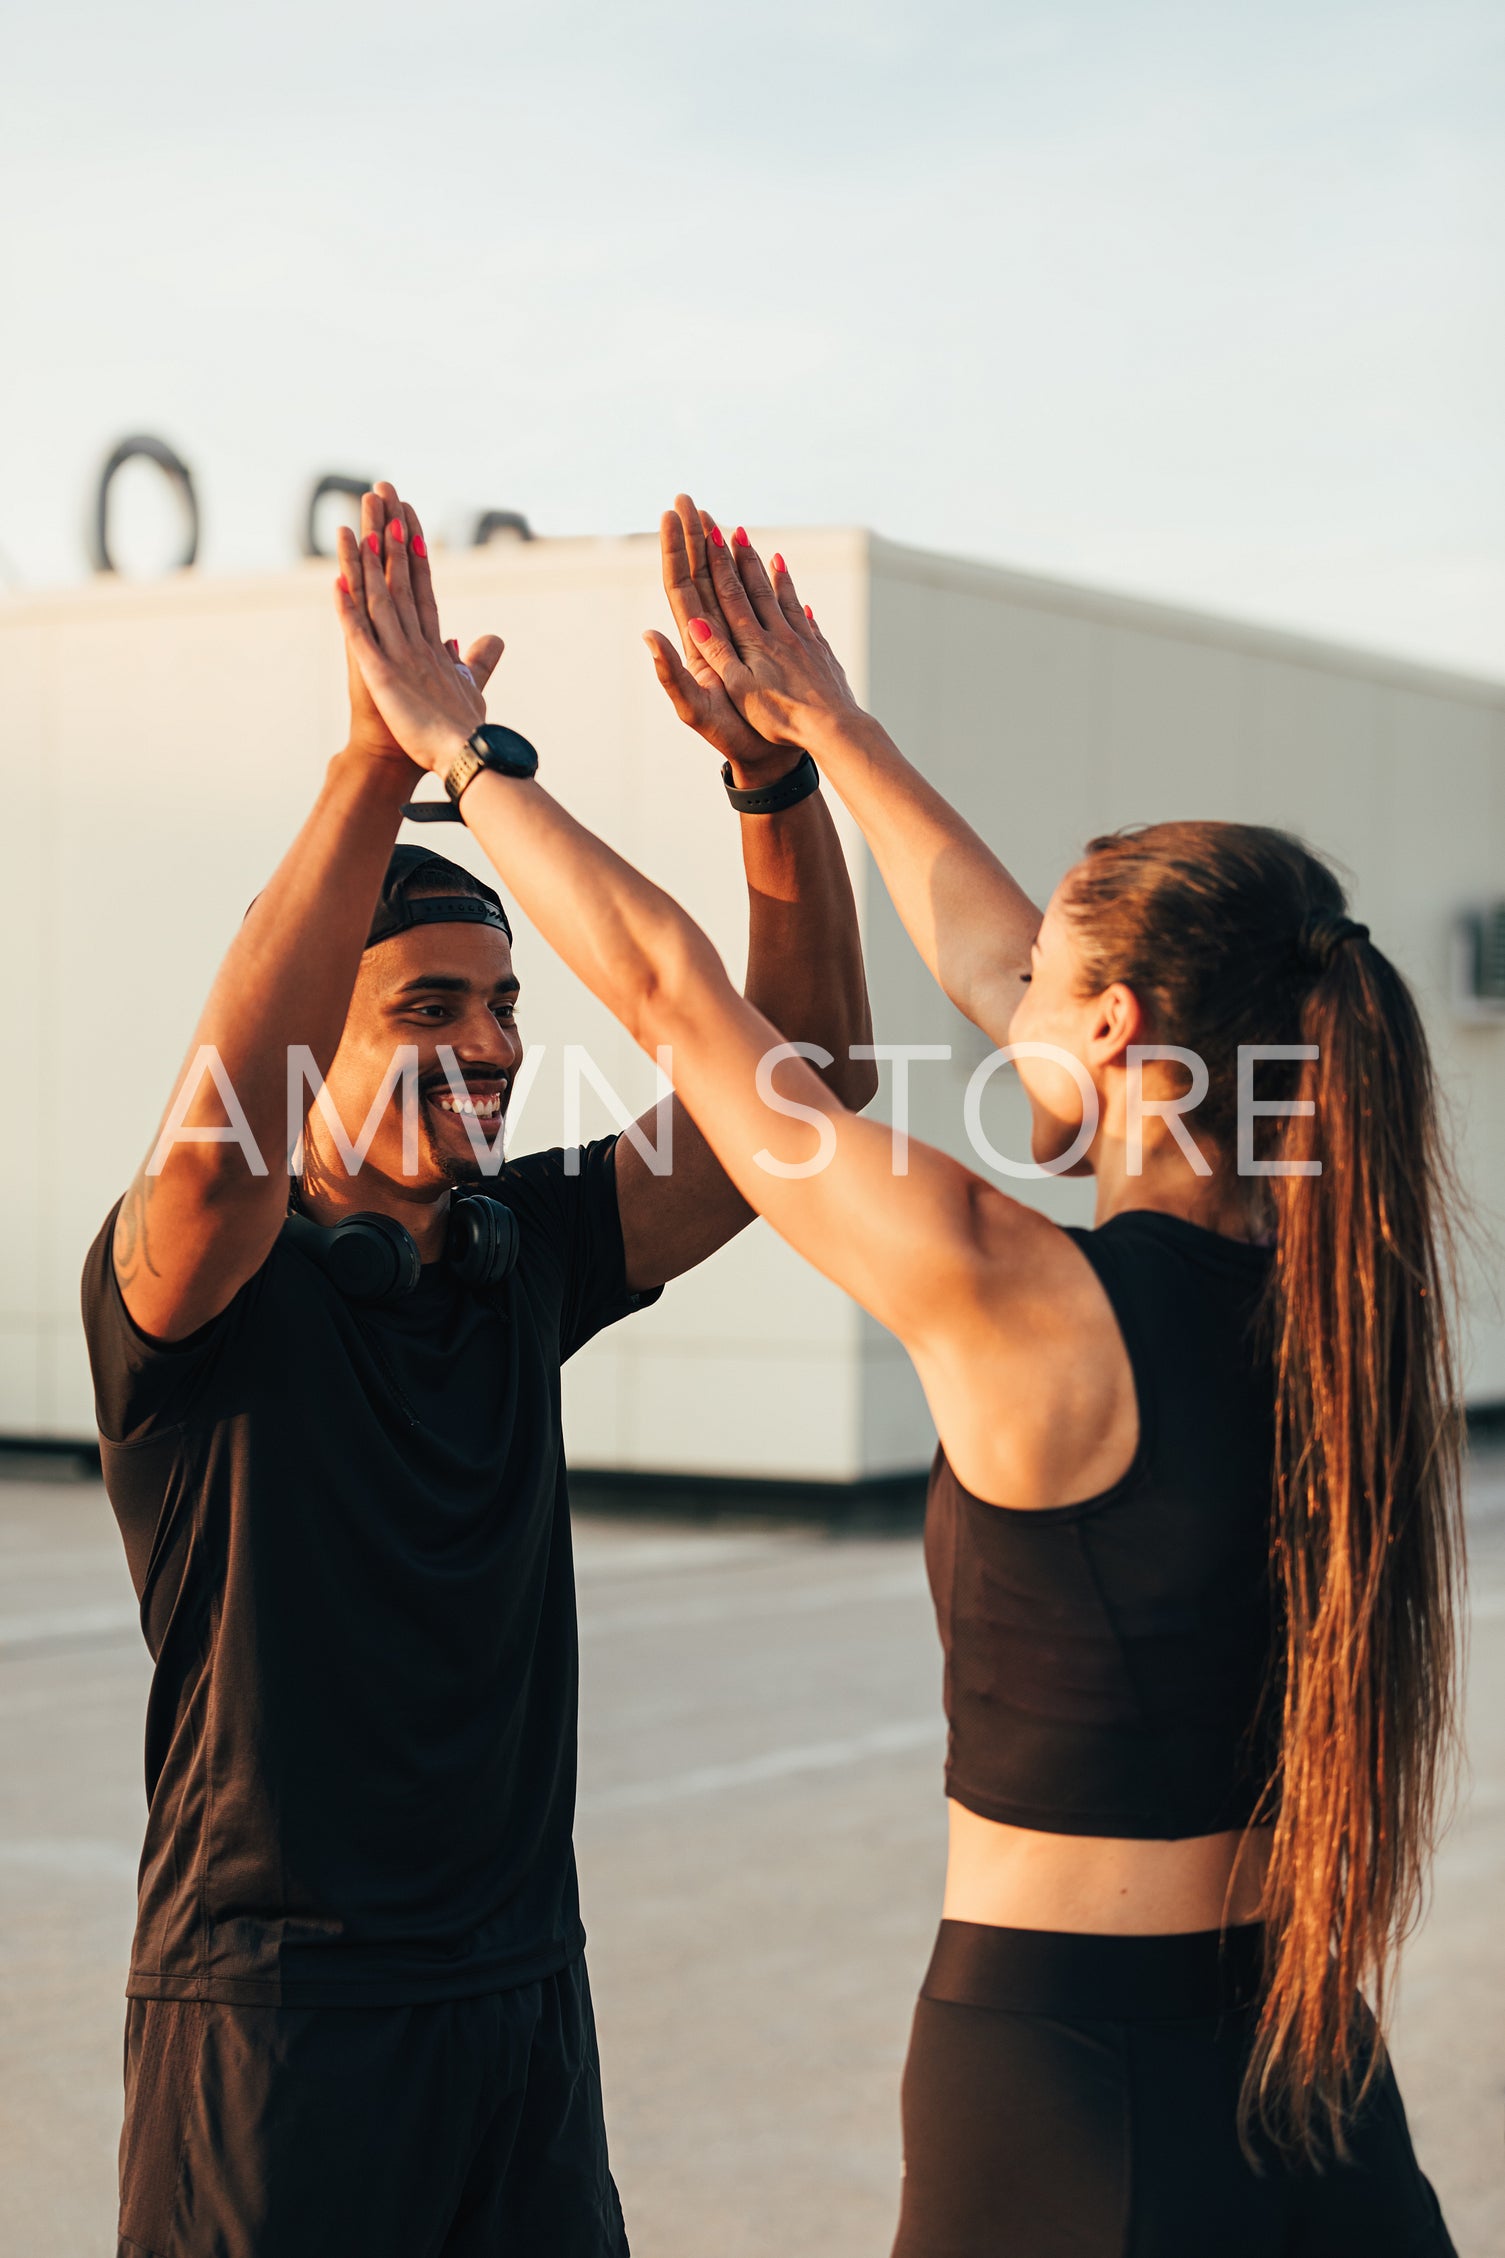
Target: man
column 359, row 2020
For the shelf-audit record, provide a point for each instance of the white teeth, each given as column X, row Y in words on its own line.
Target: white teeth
column 479, row 1109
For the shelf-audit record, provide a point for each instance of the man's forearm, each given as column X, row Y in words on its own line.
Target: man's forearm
column 804, row 957
column 191, row 1229
column 970, row 920
column 287, row 976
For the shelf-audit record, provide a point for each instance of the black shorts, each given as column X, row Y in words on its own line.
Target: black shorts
column 1076, row 2095
column 462, row 2128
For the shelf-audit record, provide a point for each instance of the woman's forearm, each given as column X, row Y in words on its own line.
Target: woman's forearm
column 637, row 951
column 970, row 920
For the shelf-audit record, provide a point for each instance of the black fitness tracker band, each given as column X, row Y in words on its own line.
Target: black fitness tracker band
column 493, row 747
column 772, row 799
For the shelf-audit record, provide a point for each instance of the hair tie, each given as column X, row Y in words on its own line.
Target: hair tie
column 1321, row 938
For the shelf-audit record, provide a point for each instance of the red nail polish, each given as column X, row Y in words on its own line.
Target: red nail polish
column 398, row 531
column 343, row 585
column 453, row 648
column 420, row 546
column 716, row 537
column 701, row 629
column 373, row 543
column 778, row 563
column 809, row 615
column 740, row 537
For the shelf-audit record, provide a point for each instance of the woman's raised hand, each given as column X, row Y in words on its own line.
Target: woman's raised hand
column 746, row 631
column 422, row 694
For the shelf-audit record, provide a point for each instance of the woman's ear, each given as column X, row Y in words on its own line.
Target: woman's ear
column 1118, row 1022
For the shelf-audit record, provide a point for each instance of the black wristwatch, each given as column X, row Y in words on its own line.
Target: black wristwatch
column 492, row 746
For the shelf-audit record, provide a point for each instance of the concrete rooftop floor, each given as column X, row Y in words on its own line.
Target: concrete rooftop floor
column 761, row 1842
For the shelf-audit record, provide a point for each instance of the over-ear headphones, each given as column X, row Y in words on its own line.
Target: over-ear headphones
column 371, row 1258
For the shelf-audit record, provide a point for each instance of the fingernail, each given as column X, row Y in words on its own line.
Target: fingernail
column 740, row 537
column 420, row 546
column 398, row 531
column 809, row 615
column 373, row 543
column 343, row 585
column 716, row 537
column 701, row 629
column 453, row 648
column 778, row 563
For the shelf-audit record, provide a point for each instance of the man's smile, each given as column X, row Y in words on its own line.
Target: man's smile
column 479, row 1106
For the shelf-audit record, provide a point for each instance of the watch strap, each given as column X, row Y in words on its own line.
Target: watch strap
column 772, row 799
column 463, row 769
column 431, row 811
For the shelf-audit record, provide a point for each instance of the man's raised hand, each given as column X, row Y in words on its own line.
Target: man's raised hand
column 692, row 686
column 748, row 630
column 426, row 702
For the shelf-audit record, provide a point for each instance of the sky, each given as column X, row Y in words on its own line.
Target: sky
column 1196, row 301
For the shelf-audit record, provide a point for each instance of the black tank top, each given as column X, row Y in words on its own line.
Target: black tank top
column 1105, row 1661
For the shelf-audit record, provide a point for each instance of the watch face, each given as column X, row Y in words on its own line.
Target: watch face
column 505, row 750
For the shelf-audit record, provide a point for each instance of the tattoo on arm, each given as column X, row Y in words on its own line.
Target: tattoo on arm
column 132, row 1242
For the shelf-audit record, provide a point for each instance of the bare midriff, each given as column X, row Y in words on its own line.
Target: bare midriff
column 1021, row 1878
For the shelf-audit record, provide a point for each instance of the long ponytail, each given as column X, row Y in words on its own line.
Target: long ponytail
column 1235, row 935
column 1366, row 1542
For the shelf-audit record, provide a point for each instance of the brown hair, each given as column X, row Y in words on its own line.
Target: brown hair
column 1232, row 934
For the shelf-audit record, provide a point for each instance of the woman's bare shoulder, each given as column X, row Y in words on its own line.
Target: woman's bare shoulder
column 1032, row 1392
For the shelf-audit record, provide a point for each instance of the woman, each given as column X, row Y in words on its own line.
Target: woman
column 1193, row 1524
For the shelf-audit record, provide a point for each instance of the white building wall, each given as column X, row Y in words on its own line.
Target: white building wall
column 1049, row 713
column 161, row 744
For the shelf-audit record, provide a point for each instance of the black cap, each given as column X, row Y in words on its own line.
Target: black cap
column 463, row 900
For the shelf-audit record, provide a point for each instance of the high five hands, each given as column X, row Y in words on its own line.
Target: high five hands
column 760, row 675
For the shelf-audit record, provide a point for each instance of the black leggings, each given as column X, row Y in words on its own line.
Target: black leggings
column 1074, row 2096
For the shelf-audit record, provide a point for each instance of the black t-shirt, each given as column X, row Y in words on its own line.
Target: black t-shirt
column 349, row 1532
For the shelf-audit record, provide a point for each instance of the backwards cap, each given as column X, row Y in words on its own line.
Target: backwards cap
column 445, row 895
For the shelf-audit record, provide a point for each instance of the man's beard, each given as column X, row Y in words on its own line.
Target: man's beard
column 463, row 1172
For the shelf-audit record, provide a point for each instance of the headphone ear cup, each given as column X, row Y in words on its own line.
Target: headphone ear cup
column 371, row 1258
column 483, row 1240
